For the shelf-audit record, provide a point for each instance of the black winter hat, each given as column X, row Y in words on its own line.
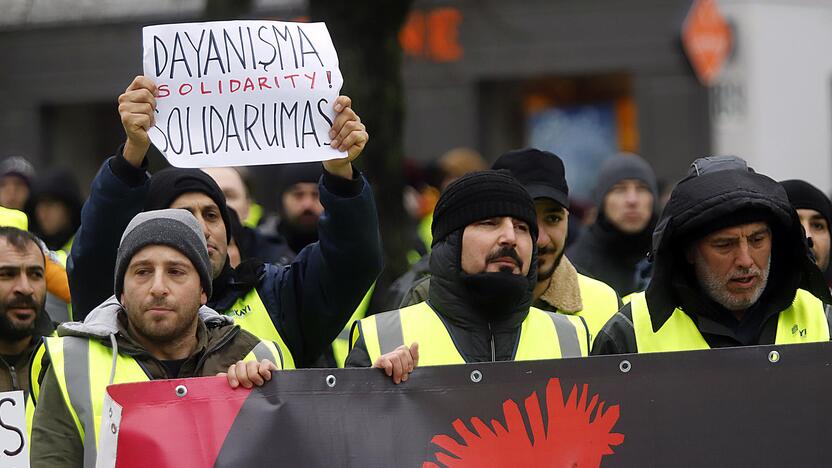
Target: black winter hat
column 292, row 174
column 481, row 195
column 540, row 172
column 802, row 195
column 168, row 184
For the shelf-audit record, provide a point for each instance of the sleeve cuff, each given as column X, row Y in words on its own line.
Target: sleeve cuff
column 342, row 187
column 125, row 171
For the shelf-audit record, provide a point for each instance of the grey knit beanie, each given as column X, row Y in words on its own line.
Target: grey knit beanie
column 176, row 228
column 620, row 167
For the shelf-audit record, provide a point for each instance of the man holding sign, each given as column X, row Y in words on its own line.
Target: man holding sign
column 302, row 306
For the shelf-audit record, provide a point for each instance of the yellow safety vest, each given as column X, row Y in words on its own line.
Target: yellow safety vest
column 251, row 315
column 600, row 303
column 76, row 360
column 341, row 344
column 802, row 322
column 543, row 335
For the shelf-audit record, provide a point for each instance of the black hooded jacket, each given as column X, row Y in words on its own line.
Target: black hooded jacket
column 483, row 326
column 701, row 204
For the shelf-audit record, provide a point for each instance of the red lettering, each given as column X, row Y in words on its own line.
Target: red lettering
column 182, row 87
column 249, row 86
column 202, row 89
column 219, row 85
column 231, row 87
column 276, row 81
column 311, row 86
column 263, row 83
column 291, row 77
column 162, row 91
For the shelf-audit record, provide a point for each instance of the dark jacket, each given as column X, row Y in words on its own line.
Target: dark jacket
column 14, row 371
column 607, row 254
column 479, row 334
column 309, row 300
column 701, row 204
column 55, row 439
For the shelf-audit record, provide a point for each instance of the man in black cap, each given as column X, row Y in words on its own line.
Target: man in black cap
column 611, row 249
column 559, row 288
column 483, row 270
column 302, row 306
column 815, row 212
column 732, row 268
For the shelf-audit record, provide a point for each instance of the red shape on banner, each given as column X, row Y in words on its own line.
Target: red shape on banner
column 171, row 431
column 571, row 438
column 707, row 39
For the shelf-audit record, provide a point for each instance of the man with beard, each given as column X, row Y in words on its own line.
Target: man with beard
column 559, row 288
column 483, row 271
column 156, row 326
column 251, row 243
column 611, row 249
column 22, row 298
column 732, row 268
column 301, row 306
column 815, row 212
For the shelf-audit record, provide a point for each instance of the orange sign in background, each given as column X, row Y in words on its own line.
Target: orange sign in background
column 432, row 34
column 707, row 39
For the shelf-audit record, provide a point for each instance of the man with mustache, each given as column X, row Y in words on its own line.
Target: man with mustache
column 155, row 327
column 22, row 298
column 731, row 268
column 301, row 306
column 483, row 270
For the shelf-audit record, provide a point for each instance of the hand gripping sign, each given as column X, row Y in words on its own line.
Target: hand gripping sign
column 237, row 93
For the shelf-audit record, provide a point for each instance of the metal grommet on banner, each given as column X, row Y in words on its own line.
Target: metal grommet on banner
column 330, row 381
column 773, row 357
column 111, row 413
column 476, row 376
column 181, row 390
column 113, row 428
column 625, row 366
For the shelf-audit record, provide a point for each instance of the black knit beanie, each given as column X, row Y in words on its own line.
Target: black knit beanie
column 481, row 195
column 803, row 195
column 168, row 184
column 174, row 228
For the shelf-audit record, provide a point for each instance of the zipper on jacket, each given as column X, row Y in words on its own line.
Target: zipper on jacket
column 493, row 350
column 14, row 378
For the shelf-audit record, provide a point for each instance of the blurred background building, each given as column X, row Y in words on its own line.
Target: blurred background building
column 584, row 79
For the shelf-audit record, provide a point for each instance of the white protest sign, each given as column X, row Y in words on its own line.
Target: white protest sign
column 14, row 447
column 238, row 93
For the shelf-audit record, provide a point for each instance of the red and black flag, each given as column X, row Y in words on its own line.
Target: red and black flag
column 732, row 407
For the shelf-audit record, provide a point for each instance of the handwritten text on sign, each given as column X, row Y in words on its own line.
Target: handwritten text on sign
column 14, row 448
column 235, row 93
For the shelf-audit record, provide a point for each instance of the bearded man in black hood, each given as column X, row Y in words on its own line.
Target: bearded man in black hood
column 731, row 268
column 483, row 270
column 611, row 249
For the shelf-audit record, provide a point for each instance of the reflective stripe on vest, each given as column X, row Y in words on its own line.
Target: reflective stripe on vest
column 802, row 322
column 341, row 344
column 600, row 303
column 543, row 335
column 251, row 315
column 82, row 368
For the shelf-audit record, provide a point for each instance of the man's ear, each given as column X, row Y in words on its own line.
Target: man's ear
column 203, row 298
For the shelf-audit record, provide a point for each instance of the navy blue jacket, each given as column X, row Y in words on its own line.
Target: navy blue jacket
column 309, row 300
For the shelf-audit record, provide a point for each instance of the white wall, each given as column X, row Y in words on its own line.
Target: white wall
column 775, row 94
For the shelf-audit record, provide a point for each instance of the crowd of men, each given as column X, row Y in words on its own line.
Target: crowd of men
column 178, row 274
